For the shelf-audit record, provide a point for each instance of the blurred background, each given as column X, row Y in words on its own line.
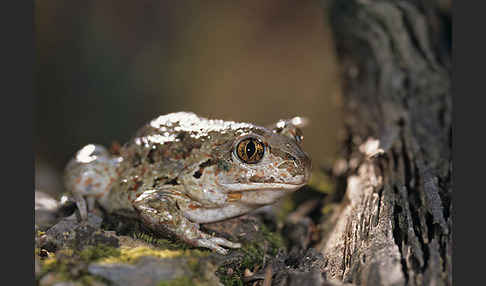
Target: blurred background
column 105, row 67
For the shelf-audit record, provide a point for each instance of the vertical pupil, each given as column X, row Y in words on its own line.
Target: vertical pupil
column 250, row 148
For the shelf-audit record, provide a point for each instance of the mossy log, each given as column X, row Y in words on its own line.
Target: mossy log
column 394, row 224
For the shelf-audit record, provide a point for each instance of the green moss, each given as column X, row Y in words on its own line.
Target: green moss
column 159, row 242
column 251, row 256
column 93, row 253
column 182, row 281
column 133, row 254
column 70, row 265
column 274, row 239
column 65, row 260
column 62, row 268
column 233, row 279
column 56, row 264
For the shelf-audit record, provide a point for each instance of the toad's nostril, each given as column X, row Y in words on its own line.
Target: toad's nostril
column 290, row 157
column 303, row 163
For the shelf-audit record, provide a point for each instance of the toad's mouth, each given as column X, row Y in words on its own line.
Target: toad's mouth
column 240, row 187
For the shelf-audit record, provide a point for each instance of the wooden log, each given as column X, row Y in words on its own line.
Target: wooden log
column 394, row 224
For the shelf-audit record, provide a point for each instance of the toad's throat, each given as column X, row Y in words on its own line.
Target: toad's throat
column 241, row 198
column 238, row 203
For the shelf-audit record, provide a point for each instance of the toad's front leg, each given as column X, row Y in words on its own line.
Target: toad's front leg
column 159, row 211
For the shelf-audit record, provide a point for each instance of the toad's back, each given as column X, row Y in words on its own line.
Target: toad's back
column 169, row 144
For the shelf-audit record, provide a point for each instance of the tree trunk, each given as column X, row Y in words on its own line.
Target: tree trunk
column 393, row 225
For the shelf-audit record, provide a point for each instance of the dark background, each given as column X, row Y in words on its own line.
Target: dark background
column 104, row 68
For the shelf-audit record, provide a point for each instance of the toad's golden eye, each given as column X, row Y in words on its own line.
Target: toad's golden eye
column 250, row 150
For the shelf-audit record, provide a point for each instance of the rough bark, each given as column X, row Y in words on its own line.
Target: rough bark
column 394, row 224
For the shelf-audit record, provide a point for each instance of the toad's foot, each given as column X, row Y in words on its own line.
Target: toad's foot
column 214, row 243
column 159, row 211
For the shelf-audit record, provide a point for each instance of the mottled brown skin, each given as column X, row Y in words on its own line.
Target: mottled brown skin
column 180, row 170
